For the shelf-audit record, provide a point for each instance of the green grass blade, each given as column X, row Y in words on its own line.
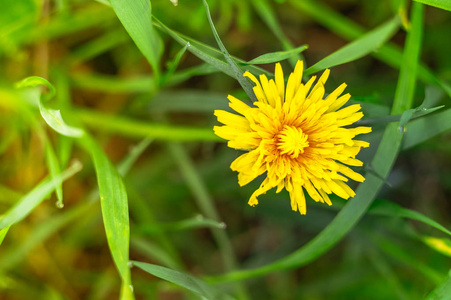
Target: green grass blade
column 390, row 209
column 136, row 16
column 51, row 116
column 360, row 47
column 54, row 168
column 154, row 252
column 3, row 233
column 276, row 56
column 187, row 281
column 207, row 53
column 189, row 224
column 238, row 74
column 114, row 205
column 25, row 205
column 266, row 13
column 443, row 4
column 442, row 291
column 419, row 130
column 112, row 84
column 355, row 208
column 132, row 156
column 139, row 129
column 42, row 232
column 403, row 118
column 172, row 65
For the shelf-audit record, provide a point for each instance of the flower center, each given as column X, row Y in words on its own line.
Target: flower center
column 291, row 140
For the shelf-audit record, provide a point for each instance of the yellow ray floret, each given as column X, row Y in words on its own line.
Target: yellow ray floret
column 295, row 135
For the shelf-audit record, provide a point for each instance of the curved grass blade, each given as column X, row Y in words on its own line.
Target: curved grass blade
column 382, row 163
column 238, row 74
column 114, row 205
column 207, row 53
column 42, row 232
column 442, row 291
column 358, row 48
column 51, row 116
column 390, row 209
column 187, row 281
column 443, row 4
column 403, row 118
column 419, row 130
column 172, row 65
column 275, row 56
column 25, row 205
column 136, row 16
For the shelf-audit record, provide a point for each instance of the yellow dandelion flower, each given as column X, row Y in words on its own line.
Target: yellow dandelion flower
column 297, row 136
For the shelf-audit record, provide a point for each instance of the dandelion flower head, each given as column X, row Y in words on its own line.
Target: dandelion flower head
column 297, row 136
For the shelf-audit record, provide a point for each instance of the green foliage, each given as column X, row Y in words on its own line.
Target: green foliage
column 128, row 89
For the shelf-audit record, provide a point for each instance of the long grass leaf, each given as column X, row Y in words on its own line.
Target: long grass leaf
column 51, row 116
column 140, row 129
column 419, row 130
column 136, row 16
column 207, row 53
column 390, row 209
column 358, row 48
column 187, row 281
column 114, row 205
column 238, row 74
column 25, row 205
column 14, row 255
column 276, row 56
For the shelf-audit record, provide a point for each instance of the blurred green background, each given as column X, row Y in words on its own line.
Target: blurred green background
column 187, row 212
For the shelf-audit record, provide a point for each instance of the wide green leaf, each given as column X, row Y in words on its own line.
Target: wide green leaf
column 185, row 280
column 114, row 205
column 136, row 16
column 443, row 4
column 360, row 47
